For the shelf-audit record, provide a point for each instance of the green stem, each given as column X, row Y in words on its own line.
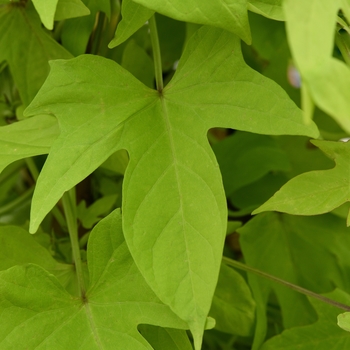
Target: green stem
column 156, row 53
column 70, row 213
column 240, row 266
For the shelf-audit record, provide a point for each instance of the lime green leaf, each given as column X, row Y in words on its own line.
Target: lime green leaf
column 315, row 192
column 76, row 32
column 267, row 8
column 70, row 9
column 46, row 10
column 28, row 63
column 27, row 138
column 165, row 136
column 231, row 15
column 310, row 28
column 117, row 301
column 134, row 16
column 18, row 247
column 233, row 306
column 344, row 321
column 322, row 335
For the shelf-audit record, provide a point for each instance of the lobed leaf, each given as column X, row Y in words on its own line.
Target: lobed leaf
column 322, row 335
column 172, row 187
column 117, row 301
column 315, row 192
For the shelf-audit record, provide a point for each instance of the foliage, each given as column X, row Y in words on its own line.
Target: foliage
column 138, row 137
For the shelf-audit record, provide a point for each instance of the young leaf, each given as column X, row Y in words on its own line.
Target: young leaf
column 315, row 192
column 165, row 135
column 118, row 299
column 231, row 15
column 322, row 335
column 134, row 16
column 28, row 63
column 27, row 138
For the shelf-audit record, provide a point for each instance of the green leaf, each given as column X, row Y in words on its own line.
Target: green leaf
column 233, row 306
column 322, row 335
column 315, row 192
column 91, row 215
column 70, row 9
column 165, row 338
column 310, row 28
column 46, row 10
column 28, row 63
column 165, row 135
column 138, row 63
column 27, row 138
column 19, row 248
column 231, row 15
column 76, row 32
column 344, row 322
column 118, row 299
column 310, row 251
column 134, row 16
column 267, row 8
column 245, row 157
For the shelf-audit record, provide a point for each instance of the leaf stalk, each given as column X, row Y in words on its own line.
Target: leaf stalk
column 244, row 267
column 156, row 53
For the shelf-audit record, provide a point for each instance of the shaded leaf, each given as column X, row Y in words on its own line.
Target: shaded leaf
column 165, row 135
column 302, row 246
column 233, row 307
column 322, row 335
column 231, row 15
column 315, row 192
column 70, row 9
column 118, row 299
column 28, row 63
column 76, row 32
column 134, row 16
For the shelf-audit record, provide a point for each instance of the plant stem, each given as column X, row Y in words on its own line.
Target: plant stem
column 240, row 266
column 156, row 53
column 70, row 213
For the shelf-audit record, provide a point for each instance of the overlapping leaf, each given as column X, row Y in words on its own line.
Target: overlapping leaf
column 268, row 8
column 302, row 246
column 310, row 28
column 28, row 58
column 315, row 192
column 118, row 299
column 27, row 138
column 172, row 186
column 231, row 15
column 134, row 16
column 322, row 335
